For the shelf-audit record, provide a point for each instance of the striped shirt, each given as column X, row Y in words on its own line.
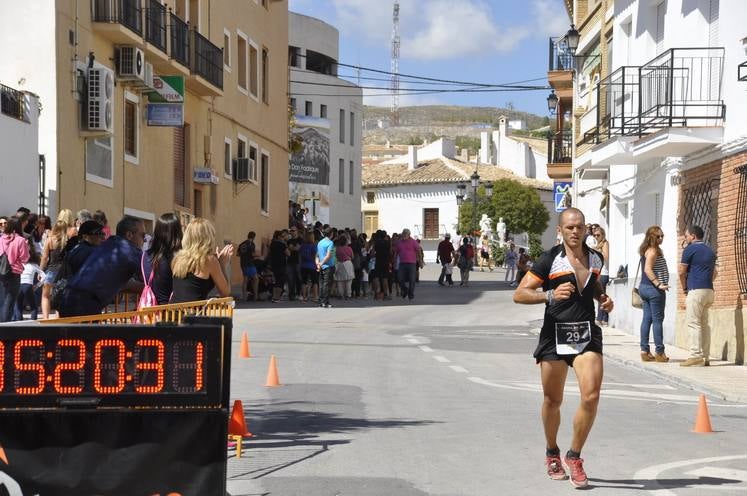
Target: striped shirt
column 661, row 271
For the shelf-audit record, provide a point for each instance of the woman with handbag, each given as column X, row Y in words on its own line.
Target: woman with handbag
column 653, row 287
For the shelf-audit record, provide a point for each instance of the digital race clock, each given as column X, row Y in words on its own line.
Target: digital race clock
column 111, row 366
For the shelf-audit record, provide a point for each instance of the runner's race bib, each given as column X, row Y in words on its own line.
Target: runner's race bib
column 571, row 338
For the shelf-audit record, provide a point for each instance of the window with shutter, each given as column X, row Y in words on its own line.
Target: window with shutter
column 430, row 223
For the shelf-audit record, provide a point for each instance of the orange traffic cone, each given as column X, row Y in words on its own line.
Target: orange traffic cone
column 272, row 374
column 244, row 350
column 237, row 423
column 702, row 419
column 2, row 456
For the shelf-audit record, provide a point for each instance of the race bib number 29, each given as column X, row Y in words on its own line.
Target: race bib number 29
column 571, row 338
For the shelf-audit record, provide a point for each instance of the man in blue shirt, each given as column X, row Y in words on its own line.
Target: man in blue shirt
column 106, row 271
column 325, row 265
column 697, row 271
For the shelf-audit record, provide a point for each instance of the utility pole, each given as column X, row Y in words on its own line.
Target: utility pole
column 395, row 65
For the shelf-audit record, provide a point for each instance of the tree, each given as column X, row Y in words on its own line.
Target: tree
column 520, row 206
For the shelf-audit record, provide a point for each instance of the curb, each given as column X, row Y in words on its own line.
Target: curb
column 689, row 384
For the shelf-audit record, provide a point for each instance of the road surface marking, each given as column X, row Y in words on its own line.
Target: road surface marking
column 571, row 389
column 651, row 474
column 441, row 359
column 426, row 349
column 413, row 340
column 641, row 386
column 457, row 368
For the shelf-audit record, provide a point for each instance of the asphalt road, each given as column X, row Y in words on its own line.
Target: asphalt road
column 441, row 396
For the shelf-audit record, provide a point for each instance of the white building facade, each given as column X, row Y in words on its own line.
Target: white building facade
column 670, row 105
column 501, row 148
column 20, row 168
column 418, row 191
column 318, row 94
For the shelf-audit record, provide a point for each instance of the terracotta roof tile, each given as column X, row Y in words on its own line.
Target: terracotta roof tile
column 439, row 171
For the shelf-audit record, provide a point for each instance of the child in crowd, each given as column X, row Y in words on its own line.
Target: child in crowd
column 32, row 278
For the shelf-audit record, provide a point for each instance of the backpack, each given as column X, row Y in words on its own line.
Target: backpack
column 470, row 252
column 147, row 296
column 5, row 268
column 60, row 282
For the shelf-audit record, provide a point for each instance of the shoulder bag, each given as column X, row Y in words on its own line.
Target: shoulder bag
column 635, row 296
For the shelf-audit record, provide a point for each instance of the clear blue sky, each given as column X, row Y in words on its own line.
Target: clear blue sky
column 486, row 41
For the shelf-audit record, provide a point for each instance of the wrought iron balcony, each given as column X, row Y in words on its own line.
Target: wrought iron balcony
column 207, row 60
column 128, row 13
column 13, row 103
column 561, row 58
column 155, row 24
column 679, row 88
column 180, row 46
column 560, row 147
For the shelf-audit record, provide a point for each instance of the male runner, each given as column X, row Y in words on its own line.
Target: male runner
column 568, row 275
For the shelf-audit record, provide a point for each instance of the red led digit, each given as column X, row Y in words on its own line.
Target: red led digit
column 21, row 366
column 70, row 367
column 2, row 366
column 156, row 365
column 102, row 371
column 195, row 363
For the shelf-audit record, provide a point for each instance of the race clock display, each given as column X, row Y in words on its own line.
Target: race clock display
column 111, row 366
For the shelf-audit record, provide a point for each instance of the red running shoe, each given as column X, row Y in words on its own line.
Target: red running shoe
column 555, row 468
column 576, row 468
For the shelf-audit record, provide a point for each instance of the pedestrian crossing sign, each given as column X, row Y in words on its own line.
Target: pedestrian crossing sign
column 562, row 195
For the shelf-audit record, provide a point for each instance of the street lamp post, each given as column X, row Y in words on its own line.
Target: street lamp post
column 461, row 196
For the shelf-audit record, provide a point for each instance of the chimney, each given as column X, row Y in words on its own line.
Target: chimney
column 503, row 125
column 412, row 157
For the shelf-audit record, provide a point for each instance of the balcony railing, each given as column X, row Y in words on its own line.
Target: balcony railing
column 560, row 56
column 560, row 147
column 207, row 60
column 13, row 103
column 128, row 13
column 179, row 40
column 679, row 87
column 155, row 24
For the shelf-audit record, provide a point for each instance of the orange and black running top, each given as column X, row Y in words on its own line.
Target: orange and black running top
column 553, row 269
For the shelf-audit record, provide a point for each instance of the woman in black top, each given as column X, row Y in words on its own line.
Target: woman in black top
column 279, row 253
column 167, row 240
column 200, row 265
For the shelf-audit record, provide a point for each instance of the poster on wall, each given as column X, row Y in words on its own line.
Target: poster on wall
column 308, row 175
column 311, row 164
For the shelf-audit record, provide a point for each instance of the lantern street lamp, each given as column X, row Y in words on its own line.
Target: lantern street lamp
column 571, row 39
column 552, row 102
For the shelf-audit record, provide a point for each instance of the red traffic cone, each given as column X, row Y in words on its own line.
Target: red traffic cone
column 237, row 423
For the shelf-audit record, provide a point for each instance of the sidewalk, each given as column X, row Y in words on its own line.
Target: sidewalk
column 721, row 379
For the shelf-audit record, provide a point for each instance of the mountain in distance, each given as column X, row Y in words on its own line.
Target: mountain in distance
column 432, row 121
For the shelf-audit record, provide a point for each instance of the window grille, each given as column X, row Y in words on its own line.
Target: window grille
column 700, row 203
column 740, row 230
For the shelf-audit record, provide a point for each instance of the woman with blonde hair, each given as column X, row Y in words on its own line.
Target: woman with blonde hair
column 51, row 260
column 68, row 217
column 603, row 247
column 653, row 287
column 200, row 266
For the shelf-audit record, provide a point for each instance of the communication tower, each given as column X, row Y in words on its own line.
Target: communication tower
column 394, row 87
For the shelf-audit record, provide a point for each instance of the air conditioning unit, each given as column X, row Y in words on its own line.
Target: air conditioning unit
column 99, row 104
column 131, row 63
column 243, row 169
column 149, row 76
